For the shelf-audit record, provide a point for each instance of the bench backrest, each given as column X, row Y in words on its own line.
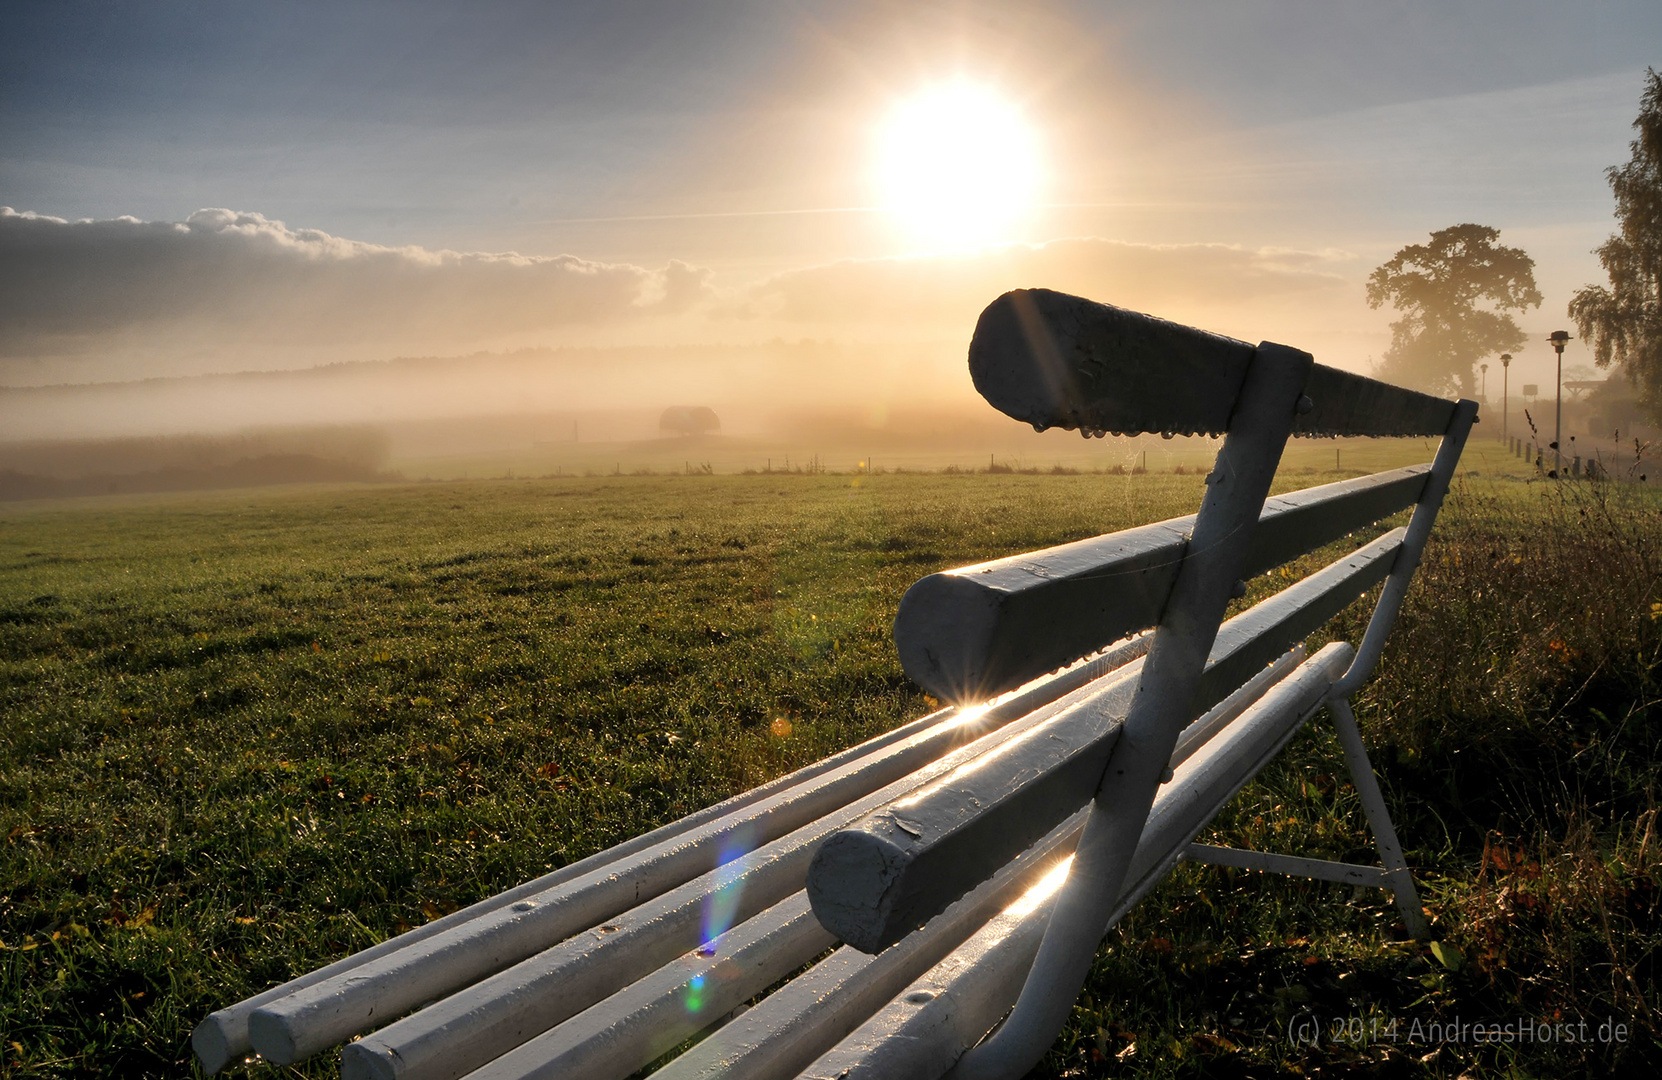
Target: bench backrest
column 977, row 631
column 1054, row 360
column 601, row 967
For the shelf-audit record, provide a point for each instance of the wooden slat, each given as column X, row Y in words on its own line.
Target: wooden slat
column 1054, row 360
column 485, row 1019
column 223, row 1035
column 969, row 633
column 1349, row 404
column 388, row 979
column 809, row 1014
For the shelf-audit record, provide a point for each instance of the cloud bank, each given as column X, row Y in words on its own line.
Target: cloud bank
column 246, row 280
column 224, row 290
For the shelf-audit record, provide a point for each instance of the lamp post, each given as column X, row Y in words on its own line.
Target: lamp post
column 1505, row 399
column 1559, row 339
column 1483, row 394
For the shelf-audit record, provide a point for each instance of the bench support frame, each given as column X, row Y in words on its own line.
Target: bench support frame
column 1261, row 423
column 1393, row 874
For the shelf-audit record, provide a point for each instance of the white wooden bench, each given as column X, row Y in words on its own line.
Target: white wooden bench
column 881, row 911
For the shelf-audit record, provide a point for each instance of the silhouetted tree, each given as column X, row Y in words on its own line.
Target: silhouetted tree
column 1438, row 287
column 689, row 420
column 1624, row 322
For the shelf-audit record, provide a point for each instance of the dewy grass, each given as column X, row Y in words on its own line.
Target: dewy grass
column 246, row 733
column 1514, row 725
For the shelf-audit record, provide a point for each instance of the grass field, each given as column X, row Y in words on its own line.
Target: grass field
column 247, row 732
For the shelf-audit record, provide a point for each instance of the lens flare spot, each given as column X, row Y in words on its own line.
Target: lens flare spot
column 695, row 994
column 723, row 903
column 780, row 728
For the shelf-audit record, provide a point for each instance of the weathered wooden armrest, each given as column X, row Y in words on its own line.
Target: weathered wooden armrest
column 1054, row 360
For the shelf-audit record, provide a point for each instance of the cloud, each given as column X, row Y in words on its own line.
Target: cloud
column 1181, row 281
column 225, row 290
column 86, row 286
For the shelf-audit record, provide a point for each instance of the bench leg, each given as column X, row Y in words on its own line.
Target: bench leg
column 1401, row 882
column 1393, row 874
column 1212, row 563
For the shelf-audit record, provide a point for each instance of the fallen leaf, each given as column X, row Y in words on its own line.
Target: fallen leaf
column 1447, row 955
column 1215, row 1043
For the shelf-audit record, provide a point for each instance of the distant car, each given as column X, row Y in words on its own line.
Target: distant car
column 689, row 420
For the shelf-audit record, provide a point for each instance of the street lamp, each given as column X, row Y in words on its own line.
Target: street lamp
column 1559, row 339
column 1505, row 401
column 1484, row 393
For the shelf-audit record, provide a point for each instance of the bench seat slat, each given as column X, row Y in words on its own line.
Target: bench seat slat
column 475, row 1025
column 883, row 876
column 924, row 1031
column 223, row 1034
column 629, row 1030
column 968, row 633
column 299, row 1024
column 809, row 1014
column 481, row 1020
column 388, row 982
column 1221, row 715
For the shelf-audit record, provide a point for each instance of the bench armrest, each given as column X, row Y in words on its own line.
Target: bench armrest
column 1054, row 360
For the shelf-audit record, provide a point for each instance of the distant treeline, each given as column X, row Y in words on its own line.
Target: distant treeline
column 54, row 468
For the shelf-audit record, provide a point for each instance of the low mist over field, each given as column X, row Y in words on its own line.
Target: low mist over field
column 244, row 347
column 754, row 383
column 228, row 222
column 222, row 290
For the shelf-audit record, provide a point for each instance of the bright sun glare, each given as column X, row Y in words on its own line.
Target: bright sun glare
column 957, row 164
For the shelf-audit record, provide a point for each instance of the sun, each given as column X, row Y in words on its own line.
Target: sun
column 957, row 163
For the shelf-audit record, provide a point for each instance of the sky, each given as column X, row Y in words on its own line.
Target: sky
column 210, row 187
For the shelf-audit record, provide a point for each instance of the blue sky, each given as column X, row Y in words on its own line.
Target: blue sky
column 733, row 137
